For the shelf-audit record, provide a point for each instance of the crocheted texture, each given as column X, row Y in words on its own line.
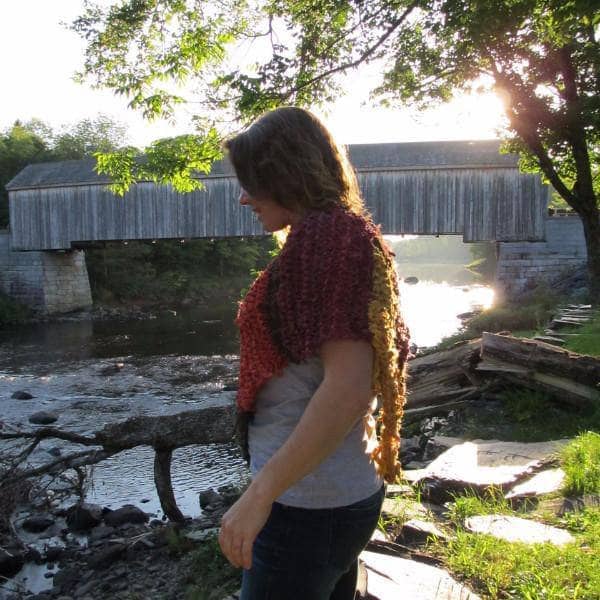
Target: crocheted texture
column 391, row 349
column 260, row 359
column 334, row 279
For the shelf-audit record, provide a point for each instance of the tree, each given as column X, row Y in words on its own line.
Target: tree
column 35, row 141
column 88, row 136
column 541, row 56
column 19, row 146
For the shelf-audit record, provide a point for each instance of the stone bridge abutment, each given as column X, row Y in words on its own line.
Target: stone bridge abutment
column 49, row 282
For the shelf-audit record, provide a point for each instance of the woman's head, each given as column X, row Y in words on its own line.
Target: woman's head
column 289, row 156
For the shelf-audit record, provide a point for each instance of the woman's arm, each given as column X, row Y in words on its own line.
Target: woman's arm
column 342, row 398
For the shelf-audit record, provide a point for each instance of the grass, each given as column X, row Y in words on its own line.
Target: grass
column 211, row 575
column 587, row 340
column 519, row 415
column 500, row 569
column 581, row 463
column 470, row 504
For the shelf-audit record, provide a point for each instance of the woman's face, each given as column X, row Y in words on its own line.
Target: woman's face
column 273, row 216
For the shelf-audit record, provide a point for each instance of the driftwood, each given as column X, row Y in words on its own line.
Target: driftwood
column 442, row 378
column 213, row 424
column 448, row 379
column 572, row 377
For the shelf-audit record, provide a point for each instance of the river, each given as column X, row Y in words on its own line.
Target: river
column 177, row 361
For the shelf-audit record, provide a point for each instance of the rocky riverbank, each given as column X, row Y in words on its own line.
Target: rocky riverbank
column 90, row 553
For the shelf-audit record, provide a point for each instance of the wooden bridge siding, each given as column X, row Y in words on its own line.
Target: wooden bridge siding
column 479, row 204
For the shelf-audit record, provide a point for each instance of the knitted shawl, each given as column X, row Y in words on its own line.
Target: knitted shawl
column 334, row 279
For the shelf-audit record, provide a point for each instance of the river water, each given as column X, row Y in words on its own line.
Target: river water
column 177, row 361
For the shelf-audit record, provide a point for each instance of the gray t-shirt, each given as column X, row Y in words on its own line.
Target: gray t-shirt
column 346, row 476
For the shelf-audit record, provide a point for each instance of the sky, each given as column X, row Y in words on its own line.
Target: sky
column 40, row 56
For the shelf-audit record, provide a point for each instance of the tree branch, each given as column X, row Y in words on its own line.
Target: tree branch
column 77, row 459
column 584, row 186
column 51, row 432
column 361, row 59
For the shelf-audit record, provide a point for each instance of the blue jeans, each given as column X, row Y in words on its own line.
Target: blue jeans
column 310, row 554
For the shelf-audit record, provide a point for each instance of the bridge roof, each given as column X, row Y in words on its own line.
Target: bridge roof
column 364, row 157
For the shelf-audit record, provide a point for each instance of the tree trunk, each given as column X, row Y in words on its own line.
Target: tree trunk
column 590, row 219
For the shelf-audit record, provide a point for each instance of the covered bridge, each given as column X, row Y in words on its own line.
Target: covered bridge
column 463, row 188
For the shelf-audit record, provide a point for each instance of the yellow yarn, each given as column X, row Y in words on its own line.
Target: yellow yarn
column 389, row 338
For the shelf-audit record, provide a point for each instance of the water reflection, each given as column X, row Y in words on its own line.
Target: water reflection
column 431, row 309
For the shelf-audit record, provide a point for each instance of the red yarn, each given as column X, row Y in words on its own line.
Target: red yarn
column 318, row 289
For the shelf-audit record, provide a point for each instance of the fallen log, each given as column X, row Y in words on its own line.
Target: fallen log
column 212, row 424
column 443, row 377
column 571, row 377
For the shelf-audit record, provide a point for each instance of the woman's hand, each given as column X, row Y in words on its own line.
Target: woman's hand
column 240, row 525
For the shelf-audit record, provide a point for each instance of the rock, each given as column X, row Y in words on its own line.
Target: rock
column 81, row 517
column 479, row 465
column 398, row 489
column 515, row 529
column 100, row 533
column 411, row 280
column 11, row 560
column 208, row 498
column 43, row 417
column 126, row 514
column 112, row 369
column 230, row 494
column 56, row 451
column 37, row 524
column 67, row 577
column 106, row 557
column 561, row 506
column 52, row 553
column 417, row 532
column 403, row 508
column 22, row 395
column 82, row 590
column 397, row 577
column 542, row 483
column 202, row 534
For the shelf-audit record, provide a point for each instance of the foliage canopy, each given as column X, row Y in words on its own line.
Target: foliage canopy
column 239, row 59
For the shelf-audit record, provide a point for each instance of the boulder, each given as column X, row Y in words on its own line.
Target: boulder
column 126, row 514
column 209, row 498
column 515, row 529
column 480, row 465
column 21, row 395
column 81, row 517
column 37, row 523
column 43, row 417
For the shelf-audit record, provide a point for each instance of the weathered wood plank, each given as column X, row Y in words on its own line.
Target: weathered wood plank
column 481, row 204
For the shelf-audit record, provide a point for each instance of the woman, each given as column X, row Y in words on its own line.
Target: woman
column 321, row 339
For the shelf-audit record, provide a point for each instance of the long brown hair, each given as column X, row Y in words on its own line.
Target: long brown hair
column 290, row 156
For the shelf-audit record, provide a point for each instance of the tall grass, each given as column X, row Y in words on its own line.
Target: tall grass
column 581, row 464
